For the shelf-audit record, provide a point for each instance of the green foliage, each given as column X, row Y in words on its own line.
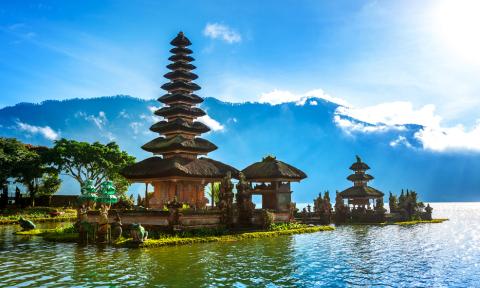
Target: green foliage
column 287, row 226
column 29, row 165
column 12, row 154
column 50, row 184
column 176, row 240
column 37, row 214
column 407, row 223
column 96, row 161
column 213, row 192
column 267, row 219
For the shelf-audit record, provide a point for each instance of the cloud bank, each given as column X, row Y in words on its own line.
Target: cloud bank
column 222, row 32
column 45, row 131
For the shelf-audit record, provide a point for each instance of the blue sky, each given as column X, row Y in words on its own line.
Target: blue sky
column 392, row 62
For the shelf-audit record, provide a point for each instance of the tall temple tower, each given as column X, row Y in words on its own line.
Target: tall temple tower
column 360, row 194
column 175, row 169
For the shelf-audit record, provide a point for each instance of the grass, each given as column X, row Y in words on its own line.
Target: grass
column 36, row 215
column 177, row 240
column 59, row 234
column 414, row 222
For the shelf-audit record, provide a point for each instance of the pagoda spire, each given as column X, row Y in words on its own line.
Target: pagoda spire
column 359, row 178
column 179, row 130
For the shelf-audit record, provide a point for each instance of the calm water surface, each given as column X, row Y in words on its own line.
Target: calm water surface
column 430, row 255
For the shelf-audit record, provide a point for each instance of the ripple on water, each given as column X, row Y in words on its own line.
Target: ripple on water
column 438, row 255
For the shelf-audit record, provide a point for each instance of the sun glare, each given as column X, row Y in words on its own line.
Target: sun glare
column 457, row 23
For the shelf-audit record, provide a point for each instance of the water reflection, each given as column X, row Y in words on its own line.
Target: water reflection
column 419, row 256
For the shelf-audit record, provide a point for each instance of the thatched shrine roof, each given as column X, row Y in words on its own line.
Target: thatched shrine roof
column 158, row 168
column 179, row 143
column 359, row 165
column 271, row 169
column 180, row 85
column 180, row 110
column 181, row 66
column 180, row 74
column 360, row 177
column 181, row 58
column 181, row 50
column 181, row 40
column 189, row 98
column 361, row 192
column 179, row 125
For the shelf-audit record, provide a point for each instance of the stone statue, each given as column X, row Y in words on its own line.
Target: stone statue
column 102, row 231
column 245, row 205
column 26, row 224
column 326, row 209
column 117, row 227
column 175, row 214
column 428, row 212
column 226, row 199
column 341, row 210
column 317, row 204
column 393, row 203
column 138, row 233
column 292, row 209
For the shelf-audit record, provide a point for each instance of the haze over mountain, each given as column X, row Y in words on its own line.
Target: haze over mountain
column 316, row 135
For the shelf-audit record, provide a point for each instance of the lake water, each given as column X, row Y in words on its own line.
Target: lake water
column 429, row 255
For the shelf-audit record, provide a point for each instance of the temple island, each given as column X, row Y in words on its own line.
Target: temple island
column 362, row 203
column 178, row 172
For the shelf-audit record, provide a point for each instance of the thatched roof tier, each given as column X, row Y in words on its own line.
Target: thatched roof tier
column 361, row 192
column 180, row 40
column 179, row 125
column 181, row 51
column 180, row 144
column 180, row 110
column 157, row 168
column 360, row 177
column 181, row 66
column 359, row 165
column 180, row 85
column 179, row 74
column 181, row 58
column 271, row 169
column 180, row 97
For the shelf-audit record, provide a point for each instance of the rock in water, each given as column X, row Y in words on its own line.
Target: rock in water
column 26, row 224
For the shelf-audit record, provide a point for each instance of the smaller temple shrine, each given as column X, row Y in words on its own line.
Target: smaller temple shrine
column 271, row 178
column 360, row 195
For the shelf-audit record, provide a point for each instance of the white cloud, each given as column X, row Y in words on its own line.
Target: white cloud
column 212, row 123
column 351, row 125
column 136, row 127
column 453, row 138
column 100, row 121
column 283, row 96
column 215, row 30
column 393, row 113
column 46, row 131
column 401, row 140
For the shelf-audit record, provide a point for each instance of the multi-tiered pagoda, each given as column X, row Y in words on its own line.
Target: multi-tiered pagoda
column 175, row 169
column 360, row 194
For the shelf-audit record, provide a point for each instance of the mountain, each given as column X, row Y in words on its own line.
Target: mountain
column 306, row 135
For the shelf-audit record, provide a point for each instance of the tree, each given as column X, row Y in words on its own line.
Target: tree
column 213, row 191
column 36, row 174
column 98, row 162
column 12, row 153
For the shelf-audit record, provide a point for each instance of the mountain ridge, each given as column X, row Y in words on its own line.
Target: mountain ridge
column 306, row 136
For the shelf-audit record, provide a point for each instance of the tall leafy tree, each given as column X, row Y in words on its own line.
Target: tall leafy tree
column 95, row 161
column 12, row 154
column 36, row 174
